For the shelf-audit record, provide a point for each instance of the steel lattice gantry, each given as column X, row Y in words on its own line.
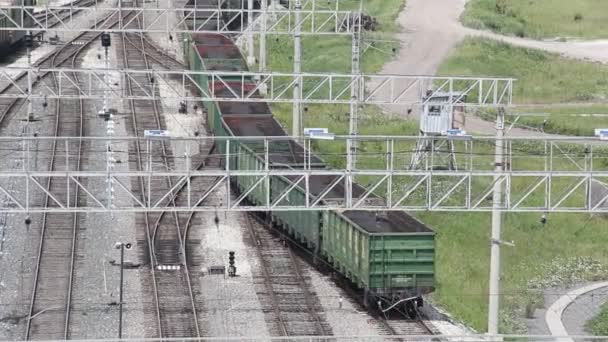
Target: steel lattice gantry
column 55, row 18
column 541, row 175
column 324, row 88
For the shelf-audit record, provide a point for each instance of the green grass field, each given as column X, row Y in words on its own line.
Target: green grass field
column 541, row 78
column 540, row 18
column 599, row 324
column 462, row 238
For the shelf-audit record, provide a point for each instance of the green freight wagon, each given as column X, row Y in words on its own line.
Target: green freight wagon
column 387, row 254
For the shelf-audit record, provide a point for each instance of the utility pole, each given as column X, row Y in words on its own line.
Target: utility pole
column 263, row 36
column 351, row 145
column 121, row 246
column 106, row 114
column 354, row 92
column 29, row 43
column 494, row 301
column 250, row 47
column 297, row 68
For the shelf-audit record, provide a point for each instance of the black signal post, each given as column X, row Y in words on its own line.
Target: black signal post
column 231, row 267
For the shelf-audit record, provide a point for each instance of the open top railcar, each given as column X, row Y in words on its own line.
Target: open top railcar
column 388, row 255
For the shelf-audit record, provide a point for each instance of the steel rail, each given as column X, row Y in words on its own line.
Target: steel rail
column 73, row 55
column 43, row 15
column 267, row 281
column 40, row 63
column 149, row 238
column 297, row 273
column 180, row 235
column 157, row 225
column 307, row 295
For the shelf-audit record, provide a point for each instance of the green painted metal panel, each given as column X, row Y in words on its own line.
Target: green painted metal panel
column 402, row 261
column 303, row 225
column 378, row 261
column 345, row 247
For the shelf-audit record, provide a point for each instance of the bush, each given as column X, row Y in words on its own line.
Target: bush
column 501, row 7
column 578, row 17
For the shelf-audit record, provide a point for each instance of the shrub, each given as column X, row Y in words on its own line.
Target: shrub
column 578, row 17
column 501, row 7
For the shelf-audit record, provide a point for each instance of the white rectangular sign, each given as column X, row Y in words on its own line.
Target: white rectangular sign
column 157, row 133
column 601, row 131
column 311, row 131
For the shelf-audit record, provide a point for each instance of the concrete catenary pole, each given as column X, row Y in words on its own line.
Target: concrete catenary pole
column 351, row 145
column 297, row 68
column 250, row 47
column 354, row 91
column 494, row 293
column 263, row 36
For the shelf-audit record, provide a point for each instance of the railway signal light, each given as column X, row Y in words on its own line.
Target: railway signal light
column 106, row 40
column 231, row 267
column 182, row 108
column 28, row 40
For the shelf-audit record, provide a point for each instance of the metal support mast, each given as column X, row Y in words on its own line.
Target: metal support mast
column 494, row 293
column 250, row 47
column 354, row 93
column 30, row 110
column 351, row 157
column 263, row 36
column 297, row 69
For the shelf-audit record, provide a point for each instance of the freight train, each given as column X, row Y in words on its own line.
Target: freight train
column 10, row 37
column 387, row 255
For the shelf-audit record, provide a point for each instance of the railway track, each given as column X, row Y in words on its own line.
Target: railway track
column 286, row 297
column 62, row 15
column 174, row 309
column 7, row 105
column 54, row 273
column 393, row 323
column 405, row 326
column 50, row 303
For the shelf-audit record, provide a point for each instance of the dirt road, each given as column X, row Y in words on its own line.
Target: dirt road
column 431, row 28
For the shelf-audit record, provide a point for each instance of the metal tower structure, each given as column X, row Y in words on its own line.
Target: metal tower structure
column 440, row 115
column 296, row 123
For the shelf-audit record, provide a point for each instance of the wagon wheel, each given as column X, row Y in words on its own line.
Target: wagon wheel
column 410, row 309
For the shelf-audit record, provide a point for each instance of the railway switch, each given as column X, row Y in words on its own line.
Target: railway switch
column 231, row 267
column 106, row 41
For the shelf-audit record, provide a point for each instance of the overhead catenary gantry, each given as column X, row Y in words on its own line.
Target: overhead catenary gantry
column 540, row 175
column 180, row 20
column 322, row 88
